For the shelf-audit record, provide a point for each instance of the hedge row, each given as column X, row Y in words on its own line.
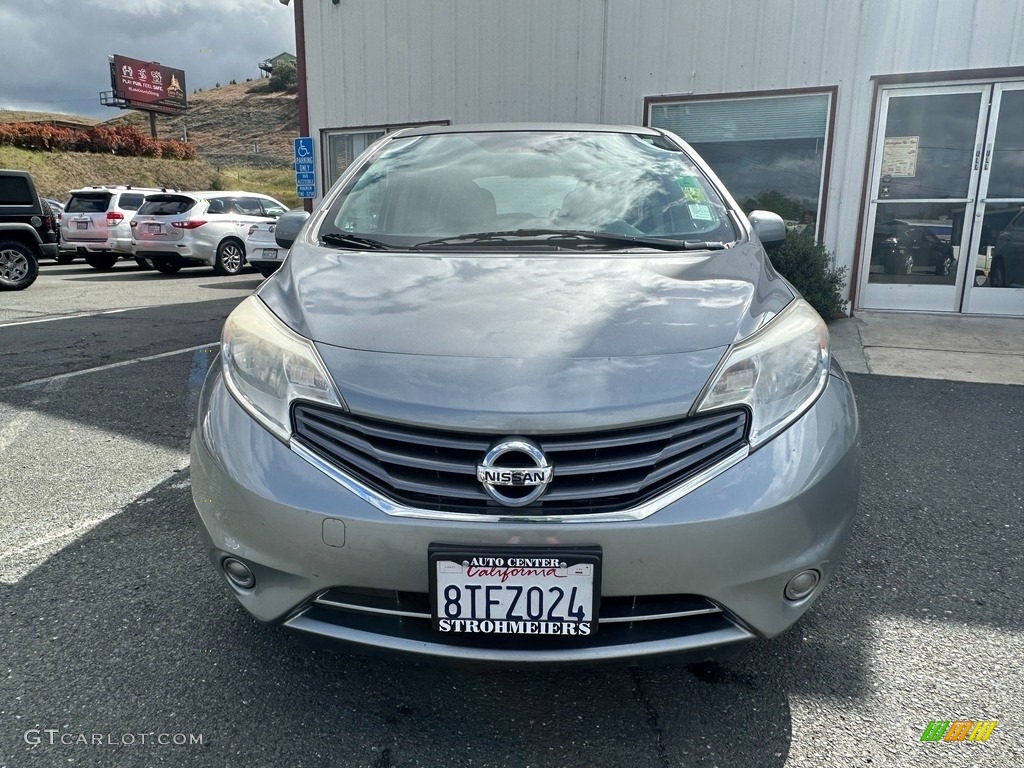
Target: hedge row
column 123, row 140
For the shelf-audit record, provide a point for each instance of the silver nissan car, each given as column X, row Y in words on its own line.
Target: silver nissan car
column 527, row 394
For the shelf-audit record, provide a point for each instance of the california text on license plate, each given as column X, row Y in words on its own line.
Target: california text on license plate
column 516, row 591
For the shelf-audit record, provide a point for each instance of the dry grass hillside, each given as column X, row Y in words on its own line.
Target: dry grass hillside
column 224, row 124
column 56, row 173
column 14, row 116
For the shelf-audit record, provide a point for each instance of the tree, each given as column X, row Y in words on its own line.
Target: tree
column 285, row 77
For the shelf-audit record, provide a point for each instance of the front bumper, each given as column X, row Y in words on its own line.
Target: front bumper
column 734, row 541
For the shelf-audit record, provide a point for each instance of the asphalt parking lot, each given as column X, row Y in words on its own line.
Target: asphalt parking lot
column 119, row 641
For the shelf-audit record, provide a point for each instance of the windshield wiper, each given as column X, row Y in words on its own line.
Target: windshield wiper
column 353, row 241
column 573, row 238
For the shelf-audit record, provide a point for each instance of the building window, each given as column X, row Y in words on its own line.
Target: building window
column 770, row 151
column 344, row 145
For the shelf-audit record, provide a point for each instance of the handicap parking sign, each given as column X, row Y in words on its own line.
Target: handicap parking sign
column 305, row 175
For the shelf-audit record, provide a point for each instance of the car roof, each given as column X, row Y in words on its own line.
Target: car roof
column 428, row 130
column 230, row 193
column 111, row 188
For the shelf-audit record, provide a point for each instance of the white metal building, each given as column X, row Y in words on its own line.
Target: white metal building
column 895, row 128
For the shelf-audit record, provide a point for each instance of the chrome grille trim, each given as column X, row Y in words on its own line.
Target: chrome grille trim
column 639, row 512
column 658, row 616
column 596, row 475
column 323, row 600
column 367, row 609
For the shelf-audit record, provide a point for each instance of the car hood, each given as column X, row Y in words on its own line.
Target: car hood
column 495, row 340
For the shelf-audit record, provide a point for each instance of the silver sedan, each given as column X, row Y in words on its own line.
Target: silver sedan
column 527, row 393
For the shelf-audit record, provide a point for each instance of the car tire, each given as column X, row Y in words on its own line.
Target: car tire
column 167, row 267
column 143, row 263
column 900, row 264
column 230, row 258
column 65, row 258
column 19, row 267
column 101, row 261
column 945, row 267
column 997, row 275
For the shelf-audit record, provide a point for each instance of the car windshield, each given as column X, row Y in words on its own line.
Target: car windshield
column 516, row 188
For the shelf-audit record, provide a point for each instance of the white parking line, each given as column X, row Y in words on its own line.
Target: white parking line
column 72, row 374
column 20, row 421
column 72, row 317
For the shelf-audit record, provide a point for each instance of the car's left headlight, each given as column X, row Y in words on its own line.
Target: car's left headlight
column 267, row 366
column 778, row 372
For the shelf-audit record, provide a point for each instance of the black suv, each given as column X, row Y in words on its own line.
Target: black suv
column 27, row 230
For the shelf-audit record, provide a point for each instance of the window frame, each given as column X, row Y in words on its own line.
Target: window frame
column 832, row 91
column 236, row 205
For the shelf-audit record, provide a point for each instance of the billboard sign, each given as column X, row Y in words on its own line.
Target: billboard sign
column 148, row 85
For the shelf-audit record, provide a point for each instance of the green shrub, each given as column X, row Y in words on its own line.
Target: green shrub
column 808, row 266
column 284, row 77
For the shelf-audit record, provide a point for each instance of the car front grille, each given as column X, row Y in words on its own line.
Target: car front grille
column 622, row 621
column 594, row 472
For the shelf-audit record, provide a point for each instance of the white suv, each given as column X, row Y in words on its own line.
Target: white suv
column 96, row 222
column 190, row 229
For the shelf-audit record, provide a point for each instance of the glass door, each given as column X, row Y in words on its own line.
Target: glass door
column 996, row 266
column 925, row 169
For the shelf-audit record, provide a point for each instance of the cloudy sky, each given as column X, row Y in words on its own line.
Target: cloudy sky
column 53, row 55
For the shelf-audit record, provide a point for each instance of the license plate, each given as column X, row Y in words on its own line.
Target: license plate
column 82, row 224
column 154, row 229
column 270, row 253
column 515, row 592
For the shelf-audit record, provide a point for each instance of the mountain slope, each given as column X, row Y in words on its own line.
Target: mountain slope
column 224, row 124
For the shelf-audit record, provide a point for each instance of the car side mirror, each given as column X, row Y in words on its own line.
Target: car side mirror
column 770, row 228
column 288, row 226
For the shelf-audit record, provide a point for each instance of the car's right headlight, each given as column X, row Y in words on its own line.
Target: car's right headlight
column 778, row 372
column 267, row 365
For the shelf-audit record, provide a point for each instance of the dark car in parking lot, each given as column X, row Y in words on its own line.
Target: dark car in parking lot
column 27, row 230
column 902, row 247
column 1008, row 256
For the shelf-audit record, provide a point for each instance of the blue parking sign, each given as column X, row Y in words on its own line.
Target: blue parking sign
column 304, row 149
column 305, row 175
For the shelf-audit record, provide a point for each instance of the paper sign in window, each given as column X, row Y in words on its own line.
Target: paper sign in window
column 899, row 156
